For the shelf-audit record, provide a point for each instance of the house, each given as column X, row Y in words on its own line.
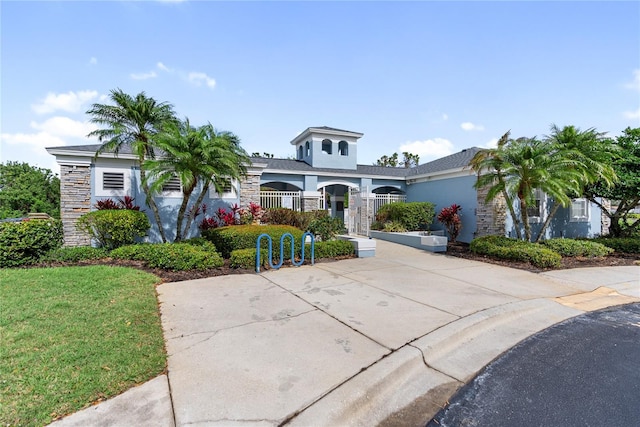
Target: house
column 324, row 174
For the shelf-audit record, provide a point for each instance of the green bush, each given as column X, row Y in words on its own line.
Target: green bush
column 628, row 245
column 329, row 249
column 75, row 254
column 246, row 258
column 170, row 256
column 412, row 215
column 228, row 239
column 24, row 243
column 575, row 248
column 284, row 216
column 114, row 228
column 326, row 227
column 516, row 250
column 394, row 227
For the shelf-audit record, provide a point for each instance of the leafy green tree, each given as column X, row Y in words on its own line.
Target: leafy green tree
column 388, row 161
column 410, row 160
column 133, row 121
column 25, row 189
column 625, row 193
column 517, row 168
column 198, row 156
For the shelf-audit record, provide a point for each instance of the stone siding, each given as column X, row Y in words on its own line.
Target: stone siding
column 310, row 204
column 605, row 221
column 249, row 190
column 491, row 217
column 75, row 200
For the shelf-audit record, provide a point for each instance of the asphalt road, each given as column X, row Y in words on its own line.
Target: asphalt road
column 582, row 372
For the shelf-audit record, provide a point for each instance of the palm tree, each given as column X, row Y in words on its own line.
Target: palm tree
column 517, row 168
column 133, row 122
column 198, row 156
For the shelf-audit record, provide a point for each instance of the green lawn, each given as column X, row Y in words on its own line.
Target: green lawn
column 71, row 336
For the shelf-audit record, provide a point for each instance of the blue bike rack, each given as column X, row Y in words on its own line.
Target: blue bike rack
column 293, row 260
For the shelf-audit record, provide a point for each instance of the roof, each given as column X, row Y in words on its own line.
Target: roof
column 457, row 160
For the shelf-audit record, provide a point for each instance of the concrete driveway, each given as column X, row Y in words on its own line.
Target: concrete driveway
column 368, row 341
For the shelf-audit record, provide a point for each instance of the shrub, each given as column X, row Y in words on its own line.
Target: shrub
column 285, row 216
column 575, row 248
column 171, row 256
column 505, row 248
column 24, row 243
column 246, row 258
column 330, row 249
column 394, row 227
column 127, row 202
column 450, row 217
column 75, row 254
column 628, row 245
column 114, row 228
column 228, row 239
column 326, row 227
column 412, row 215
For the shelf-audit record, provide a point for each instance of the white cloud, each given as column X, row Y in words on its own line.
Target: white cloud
column 64, row 127
column 143, row 76
column 492, row 143
column 633, row 115
column 445, row 116
column 70, row 101
column 635, row 84
column 429, row 149
column 93, row 60
column 199, row 78
column 163, row 67
column 35, row 142
column 468, row 126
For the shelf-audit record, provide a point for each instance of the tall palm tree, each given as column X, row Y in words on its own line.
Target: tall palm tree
column 517, row 168
column 135, row 122
column 199, row 157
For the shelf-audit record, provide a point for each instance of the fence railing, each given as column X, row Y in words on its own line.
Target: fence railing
column 385, row 199
column 280, row 199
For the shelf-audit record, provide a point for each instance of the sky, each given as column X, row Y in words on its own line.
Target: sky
column 427, row 77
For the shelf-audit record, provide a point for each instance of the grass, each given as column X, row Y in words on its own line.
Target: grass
column 72, row 336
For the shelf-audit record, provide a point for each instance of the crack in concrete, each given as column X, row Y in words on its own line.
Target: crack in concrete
column 228, row 420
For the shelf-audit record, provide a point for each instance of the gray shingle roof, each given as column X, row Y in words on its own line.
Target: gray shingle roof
column 453, row 161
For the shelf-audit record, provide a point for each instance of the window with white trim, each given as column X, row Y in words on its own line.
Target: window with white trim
column 579, row 211
column 112, row 182
column 535, row 210
column 229, row 189
column 172, row 185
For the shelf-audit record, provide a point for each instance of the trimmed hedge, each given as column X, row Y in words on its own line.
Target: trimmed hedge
column 326, row 227
column 75, row 254
column 628, row 245
column 246, row 258
column 228, row 239
column 114, row 228
column 24, row 243
column 285, row 216
column 412, row 215
column 171, row 256
column 517, row 250
column 577, row 248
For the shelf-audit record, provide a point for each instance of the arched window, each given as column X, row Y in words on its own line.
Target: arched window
column 307, row 149
column 326, row 146
column 343, row 148
column 300, row 152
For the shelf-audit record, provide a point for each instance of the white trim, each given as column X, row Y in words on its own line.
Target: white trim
column 346, row 184
column 436, row 176
column 233, row 194
column 587, row 210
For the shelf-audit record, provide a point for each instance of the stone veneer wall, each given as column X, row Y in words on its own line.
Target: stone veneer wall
column 605, row 221
column 75, row 200
column 249, row 190
column 310, row 204
column 491, row 217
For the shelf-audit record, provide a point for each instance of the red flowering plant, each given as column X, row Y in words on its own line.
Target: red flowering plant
column 450, row 218
column 126, row 202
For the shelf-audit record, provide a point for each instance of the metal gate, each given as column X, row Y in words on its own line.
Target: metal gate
column 363, row 207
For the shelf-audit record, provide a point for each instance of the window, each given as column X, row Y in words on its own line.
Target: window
column 535, row 210
column 307, row 149
column 300, row 152
column 228, row 188
column 579, row 210
column 173, row 185
column 327, row 146
column 343, row 148
column 113, row 181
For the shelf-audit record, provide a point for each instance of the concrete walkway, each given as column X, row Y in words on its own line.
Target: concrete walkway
column 368, row 341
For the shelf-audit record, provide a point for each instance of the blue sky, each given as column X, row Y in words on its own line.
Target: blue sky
column 427, row 77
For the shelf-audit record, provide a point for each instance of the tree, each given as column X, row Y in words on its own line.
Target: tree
column 134, row 122
column 517, row 168
column 626, row 191
column 388, row 161
column 410, row 160
column 25, row 189
column 592, row 154
column 198, row 156
column 264, row 155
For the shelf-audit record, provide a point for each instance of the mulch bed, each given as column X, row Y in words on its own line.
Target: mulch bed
column 461, row 250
